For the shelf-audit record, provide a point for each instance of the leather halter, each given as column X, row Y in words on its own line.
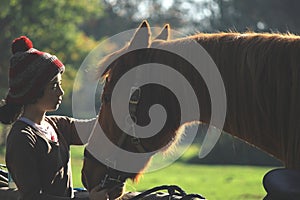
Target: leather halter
column 113, row 176
column 110, row 179
column 134, row 99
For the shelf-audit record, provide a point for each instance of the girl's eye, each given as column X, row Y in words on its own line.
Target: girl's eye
column 56, row 85
column 106, row 99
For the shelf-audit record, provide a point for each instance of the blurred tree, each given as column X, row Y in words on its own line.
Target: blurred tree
column 109, row 24
column 52, row 26
column 259, row 16
column 190, row 16
column 182, row 15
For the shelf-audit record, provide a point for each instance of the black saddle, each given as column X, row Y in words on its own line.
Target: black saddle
column 282, row 184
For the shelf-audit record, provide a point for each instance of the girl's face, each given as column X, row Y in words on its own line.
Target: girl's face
column 52, row 97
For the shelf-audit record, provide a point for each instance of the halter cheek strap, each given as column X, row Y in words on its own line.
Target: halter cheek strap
column 134, row 99
column 130, row 120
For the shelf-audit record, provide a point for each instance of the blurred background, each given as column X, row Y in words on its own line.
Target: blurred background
column 71, row 29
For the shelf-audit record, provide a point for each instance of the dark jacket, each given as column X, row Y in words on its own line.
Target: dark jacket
column 40, row 167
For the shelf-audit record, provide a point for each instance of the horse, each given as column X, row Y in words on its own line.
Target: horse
column 260, row 72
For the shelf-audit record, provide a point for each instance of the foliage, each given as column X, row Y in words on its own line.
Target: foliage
column 185, row 16
column 211, row 15
column 109, row 24
column 256, row 15
column 51, row 25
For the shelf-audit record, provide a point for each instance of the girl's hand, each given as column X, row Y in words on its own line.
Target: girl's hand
column 97, row 193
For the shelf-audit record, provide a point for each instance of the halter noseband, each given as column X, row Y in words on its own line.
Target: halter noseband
column 110, row 179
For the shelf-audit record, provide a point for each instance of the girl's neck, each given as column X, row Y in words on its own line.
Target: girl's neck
column 34, row 114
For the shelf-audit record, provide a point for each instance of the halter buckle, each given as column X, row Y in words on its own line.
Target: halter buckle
column 135, row 94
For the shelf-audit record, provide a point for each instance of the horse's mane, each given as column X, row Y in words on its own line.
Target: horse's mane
column 105, row 63
column 261, row 77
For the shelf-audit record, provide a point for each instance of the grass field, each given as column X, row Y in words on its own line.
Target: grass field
column 212, row 181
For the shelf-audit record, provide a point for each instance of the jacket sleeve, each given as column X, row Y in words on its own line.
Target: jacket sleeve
column 75, row 131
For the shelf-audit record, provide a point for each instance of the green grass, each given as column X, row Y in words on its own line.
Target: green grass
column 76, row 163
column 213, row 182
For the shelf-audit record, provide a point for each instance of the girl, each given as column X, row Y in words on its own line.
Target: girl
column 37, row 148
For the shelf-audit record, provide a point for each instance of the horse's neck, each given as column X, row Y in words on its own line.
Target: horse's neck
column 248, row 109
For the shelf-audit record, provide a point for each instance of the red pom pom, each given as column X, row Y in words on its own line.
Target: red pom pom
column 22, row 44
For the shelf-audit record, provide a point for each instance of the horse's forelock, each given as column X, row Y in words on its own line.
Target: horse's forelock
column 107, row 61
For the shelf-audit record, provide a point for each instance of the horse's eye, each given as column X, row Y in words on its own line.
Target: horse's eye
column 106, row 99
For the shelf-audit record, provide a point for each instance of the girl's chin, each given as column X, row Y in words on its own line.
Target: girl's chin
column 57, row 106
column 54, row 108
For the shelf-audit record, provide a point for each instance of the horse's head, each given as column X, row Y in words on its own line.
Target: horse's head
column 140, row 100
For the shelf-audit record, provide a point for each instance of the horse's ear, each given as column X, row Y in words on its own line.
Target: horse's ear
column 164, row 33
column 141, row 38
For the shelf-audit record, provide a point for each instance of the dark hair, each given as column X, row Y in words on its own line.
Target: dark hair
column 10, row 112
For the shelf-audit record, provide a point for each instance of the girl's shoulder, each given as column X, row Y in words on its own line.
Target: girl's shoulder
column 21, row 132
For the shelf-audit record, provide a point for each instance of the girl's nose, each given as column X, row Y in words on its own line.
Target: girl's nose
column 61, row 91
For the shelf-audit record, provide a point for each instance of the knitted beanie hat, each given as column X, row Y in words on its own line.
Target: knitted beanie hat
column 30, row 71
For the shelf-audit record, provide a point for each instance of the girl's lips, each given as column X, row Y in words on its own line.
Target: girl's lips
column 59, row 101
